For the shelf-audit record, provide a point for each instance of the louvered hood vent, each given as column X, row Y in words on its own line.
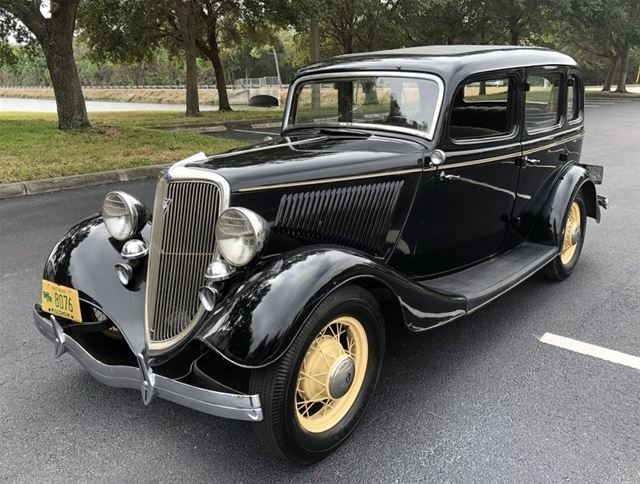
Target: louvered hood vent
column 354, row 216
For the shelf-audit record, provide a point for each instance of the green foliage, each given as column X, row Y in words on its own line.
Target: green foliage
column 13, row 33
column 127, row 32
column 136, row 42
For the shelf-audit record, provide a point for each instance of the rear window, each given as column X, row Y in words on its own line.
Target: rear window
column 573, row 101
column 542, row 109
column 483, row 109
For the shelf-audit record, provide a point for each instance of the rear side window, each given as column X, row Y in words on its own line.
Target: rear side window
column 483, row 109
column 542, row 108
column 573, row 101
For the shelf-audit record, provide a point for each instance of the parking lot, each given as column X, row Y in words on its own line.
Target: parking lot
column 482, row 399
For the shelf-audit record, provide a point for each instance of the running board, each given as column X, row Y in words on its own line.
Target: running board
column 486, row 281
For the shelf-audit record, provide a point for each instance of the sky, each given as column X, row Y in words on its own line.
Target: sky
column 45, row 8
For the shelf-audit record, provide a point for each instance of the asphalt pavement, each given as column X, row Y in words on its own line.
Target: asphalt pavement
column 481, row 399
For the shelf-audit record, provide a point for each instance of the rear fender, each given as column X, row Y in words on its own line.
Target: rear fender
column 256, row 323
column 548, row 229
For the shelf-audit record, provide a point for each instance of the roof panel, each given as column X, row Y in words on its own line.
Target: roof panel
column 445, row 60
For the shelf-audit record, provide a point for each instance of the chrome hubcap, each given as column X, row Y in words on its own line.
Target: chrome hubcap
column 575, row 236
column 341, row 377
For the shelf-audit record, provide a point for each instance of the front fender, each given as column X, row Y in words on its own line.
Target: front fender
column 550, row 224
column 84, row 259
column 256, row 323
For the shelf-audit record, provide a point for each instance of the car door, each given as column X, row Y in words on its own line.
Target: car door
column 473, row 191
column 552, row 136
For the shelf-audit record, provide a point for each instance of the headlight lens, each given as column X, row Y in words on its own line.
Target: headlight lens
column 123, row 215
column 240, row 235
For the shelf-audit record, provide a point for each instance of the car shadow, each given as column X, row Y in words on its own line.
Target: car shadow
column 417, row 367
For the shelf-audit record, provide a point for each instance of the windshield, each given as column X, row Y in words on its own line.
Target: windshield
column 391, row 102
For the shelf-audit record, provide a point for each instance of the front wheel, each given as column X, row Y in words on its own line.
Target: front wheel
column 572, row 240
column 313, row 397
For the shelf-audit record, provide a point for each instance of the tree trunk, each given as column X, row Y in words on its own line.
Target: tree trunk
column 613, row 62
column 58, row 52
column 623, row 70
column 370, row 92
column 188, row 27
column 514, row 30
column 223, row 98
column 482, row 88
column 55, row 36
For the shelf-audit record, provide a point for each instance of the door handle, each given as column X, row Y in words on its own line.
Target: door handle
column 530, row 161
column 444, row 176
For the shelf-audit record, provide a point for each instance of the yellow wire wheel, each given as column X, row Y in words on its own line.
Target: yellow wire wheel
column 571, row 234
column 331, row 374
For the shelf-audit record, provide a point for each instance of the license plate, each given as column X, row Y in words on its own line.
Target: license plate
column 61, row 301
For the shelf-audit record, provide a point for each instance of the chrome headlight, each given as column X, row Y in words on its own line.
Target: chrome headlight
column 123, row 215
column 240, row 235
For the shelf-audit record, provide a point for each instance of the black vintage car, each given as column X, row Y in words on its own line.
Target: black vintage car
column 408, row 187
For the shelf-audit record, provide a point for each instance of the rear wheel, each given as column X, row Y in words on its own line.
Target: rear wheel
column 572, row 240
column 313, row 397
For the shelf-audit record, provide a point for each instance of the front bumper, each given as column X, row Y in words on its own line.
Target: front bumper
column 142, row 377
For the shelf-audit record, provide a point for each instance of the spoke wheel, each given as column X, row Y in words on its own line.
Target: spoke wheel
column 571, row 242
column 571, row 234
column 314, row 395
column 331, row 374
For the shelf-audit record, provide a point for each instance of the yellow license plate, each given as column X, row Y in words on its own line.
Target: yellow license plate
column 61, row 301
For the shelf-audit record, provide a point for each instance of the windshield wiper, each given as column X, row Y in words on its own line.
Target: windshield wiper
column 346, row 131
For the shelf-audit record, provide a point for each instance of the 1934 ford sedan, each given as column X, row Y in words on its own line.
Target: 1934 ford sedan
column 409, row 187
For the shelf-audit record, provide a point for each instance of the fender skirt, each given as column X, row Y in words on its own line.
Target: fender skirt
column 255, row 324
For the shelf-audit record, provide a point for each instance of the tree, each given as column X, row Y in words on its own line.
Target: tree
column 608, row 30
column 230, row 23
column 626, row 34
column 132, row 31
column 186, row 13
column 220, row 19
column 54, row 34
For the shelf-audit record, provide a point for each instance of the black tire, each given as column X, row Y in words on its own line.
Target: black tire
column 556, row 270
column 280, row 431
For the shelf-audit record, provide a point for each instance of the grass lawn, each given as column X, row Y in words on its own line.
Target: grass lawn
column 31, row 146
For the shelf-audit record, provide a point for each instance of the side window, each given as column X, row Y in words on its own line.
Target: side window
column 573, row 101
column 483, row 109
column 542, row 101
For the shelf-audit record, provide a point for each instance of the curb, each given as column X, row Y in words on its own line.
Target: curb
column 12, row 190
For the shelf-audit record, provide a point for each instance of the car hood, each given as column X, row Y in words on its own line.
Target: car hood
column 312, row 158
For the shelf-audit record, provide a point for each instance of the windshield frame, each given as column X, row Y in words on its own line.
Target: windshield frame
column 363, row 74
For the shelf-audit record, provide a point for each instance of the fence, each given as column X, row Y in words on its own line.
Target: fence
column 256, row 82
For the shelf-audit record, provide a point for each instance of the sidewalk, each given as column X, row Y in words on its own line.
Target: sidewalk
column 19, row 189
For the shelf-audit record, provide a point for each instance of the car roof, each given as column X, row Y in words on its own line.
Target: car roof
column 447, row 61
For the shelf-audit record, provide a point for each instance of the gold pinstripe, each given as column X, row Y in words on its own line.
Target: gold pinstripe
column 504, row 157
column 335, row 180
column 410, row 170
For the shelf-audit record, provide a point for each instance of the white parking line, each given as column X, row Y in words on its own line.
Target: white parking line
column 591, row 350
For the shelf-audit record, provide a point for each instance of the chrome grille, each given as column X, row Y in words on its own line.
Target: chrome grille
column 182, row 245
